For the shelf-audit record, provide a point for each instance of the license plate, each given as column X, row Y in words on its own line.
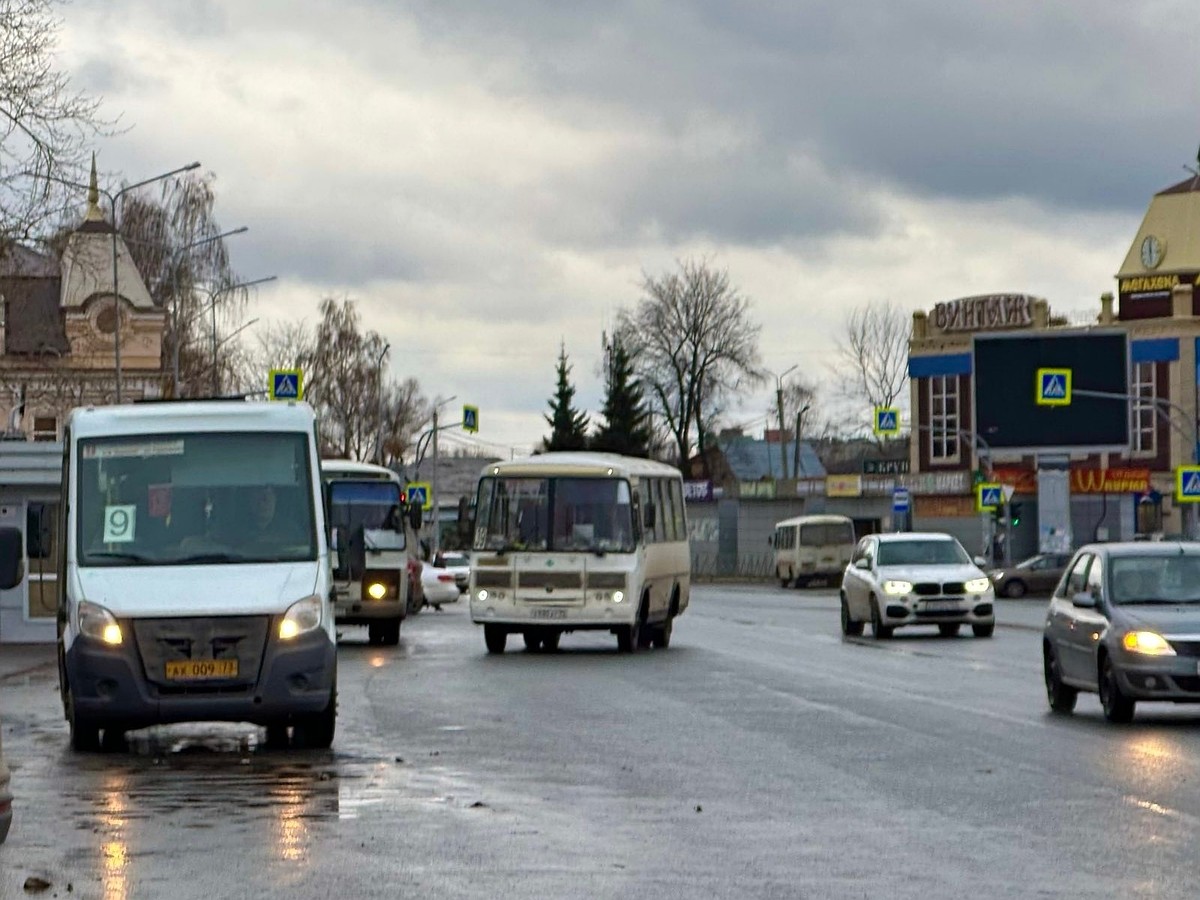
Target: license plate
column 941, row 606
column 549, row 613
column 200, row 669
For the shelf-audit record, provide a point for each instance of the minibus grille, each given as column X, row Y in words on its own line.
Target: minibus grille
column 240, row 638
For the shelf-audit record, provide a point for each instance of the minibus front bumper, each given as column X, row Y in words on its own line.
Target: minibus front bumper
column 128, row 684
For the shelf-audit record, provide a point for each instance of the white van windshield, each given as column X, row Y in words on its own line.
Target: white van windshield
column 824, row 534
column 175, row 499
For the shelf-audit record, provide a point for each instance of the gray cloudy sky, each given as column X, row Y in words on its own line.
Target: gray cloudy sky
column 488, row 180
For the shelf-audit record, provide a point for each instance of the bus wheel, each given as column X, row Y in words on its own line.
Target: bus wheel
column 315, row 731
column 495, row 637
column 85, row 734
column 662, row 635
column 533, row 641
column 390, row 633
column 629, row 637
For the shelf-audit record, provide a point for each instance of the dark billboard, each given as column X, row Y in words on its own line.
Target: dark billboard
column 1005, row 379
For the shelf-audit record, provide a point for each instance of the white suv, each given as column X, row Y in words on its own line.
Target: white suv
column 913, row 578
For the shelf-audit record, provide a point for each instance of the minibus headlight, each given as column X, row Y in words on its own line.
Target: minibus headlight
column 377, row 590
column 99, row 624
column 302, row 617
column 482, row 595
column 618, row 596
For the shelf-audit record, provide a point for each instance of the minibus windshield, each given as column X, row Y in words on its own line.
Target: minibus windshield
column 195, row 499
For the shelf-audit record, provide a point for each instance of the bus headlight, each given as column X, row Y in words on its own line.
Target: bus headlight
column 302, row 617
column 99, row 624
column 482, row 595
column 377, row 590
column 618, row 596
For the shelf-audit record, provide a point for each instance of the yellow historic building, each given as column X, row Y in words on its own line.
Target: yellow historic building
column 59, row 329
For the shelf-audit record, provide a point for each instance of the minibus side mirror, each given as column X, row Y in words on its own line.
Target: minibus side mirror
column 12, row 558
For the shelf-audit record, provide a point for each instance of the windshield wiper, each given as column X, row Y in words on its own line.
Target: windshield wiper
column 208, row 558
column 121, row 555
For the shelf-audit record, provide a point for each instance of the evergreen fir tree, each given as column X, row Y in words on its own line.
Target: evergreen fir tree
column 568, row 425
column 626, row 426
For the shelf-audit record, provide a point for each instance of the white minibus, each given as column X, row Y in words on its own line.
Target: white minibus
column 576, row 541
column 194, row 578
column 812, row 547
column 367, row 521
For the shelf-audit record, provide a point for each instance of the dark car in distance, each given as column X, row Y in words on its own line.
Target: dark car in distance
column 1036, row 575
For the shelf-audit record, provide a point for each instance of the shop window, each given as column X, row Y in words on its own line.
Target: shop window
column 1143, row 414
column 943, row 418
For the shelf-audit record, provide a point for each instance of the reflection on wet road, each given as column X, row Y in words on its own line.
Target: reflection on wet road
column 761, row 756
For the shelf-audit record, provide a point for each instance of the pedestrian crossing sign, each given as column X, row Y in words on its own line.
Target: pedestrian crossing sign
column 418, row 494
column 887, row 420
column 1053, row 387
column 287, row 384
column 470, row 418
column 1187, row 484
column 988, row 496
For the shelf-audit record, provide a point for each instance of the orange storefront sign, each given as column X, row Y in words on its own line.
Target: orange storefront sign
column 1083, row 481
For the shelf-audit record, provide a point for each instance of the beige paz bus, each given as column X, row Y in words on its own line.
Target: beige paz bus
column 577, row 541
column 812, row 547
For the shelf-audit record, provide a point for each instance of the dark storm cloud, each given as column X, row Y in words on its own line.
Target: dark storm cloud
column 1082, row 104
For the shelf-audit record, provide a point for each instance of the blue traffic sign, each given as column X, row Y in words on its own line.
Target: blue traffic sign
column 887, row 420
column 901, row 499
column 1187, row 484
column 470, row 418
column 988, row 495
column 287, row 384
column 1053, row 387
column 417, row 494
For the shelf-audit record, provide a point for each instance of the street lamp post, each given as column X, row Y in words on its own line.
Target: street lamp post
column 779, row 410
column 379, row 434
column 213, row 295
column 94, row 192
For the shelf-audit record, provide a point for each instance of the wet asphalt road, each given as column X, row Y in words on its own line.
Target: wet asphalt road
column 760, row 756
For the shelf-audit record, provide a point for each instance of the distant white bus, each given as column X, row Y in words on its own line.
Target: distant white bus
column 367, row 522
column 579, row 542
column 812, row 547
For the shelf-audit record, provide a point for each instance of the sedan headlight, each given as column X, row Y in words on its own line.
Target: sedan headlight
column 1147, row 643
column 897, row 587
column 977, row 585
column 99, row 624
column 302, row 617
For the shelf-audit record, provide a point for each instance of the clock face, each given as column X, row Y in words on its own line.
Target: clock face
column 1152, row 251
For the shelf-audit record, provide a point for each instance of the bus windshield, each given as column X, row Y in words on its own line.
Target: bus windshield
column 195, row 499
column 588, row 514
column 370, row 506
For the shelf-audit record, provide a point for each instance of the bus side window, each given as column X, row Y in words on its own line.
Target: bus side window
column 676, row 488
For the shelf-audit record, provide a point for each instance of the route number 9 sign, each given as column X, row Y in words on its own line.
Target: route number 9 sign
column 119, row 522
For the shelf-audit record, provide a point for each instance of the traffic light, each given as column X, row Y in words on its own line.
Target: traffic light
column 1014, row 513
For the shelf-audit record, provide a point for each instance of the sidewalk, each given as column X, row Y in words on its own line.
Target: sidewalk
column 18, row 659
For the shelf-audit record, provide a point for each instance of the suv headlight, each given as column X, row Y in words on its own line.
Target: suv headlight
column 302, row 617
column 897, row 587
column 977, row 585
column 99, row 624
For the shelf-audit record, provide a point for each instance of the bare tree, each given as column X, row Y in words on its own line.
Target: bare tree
column 873, row 354
column 360, row 414
column 694, row 345
column 44, row 124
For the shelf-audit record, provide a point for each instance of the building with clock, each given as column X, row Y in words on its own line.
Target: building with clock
column 1123, row 493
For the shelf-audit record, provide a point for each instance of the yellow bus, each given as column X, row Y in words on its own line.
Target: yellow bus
column 577, row 541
